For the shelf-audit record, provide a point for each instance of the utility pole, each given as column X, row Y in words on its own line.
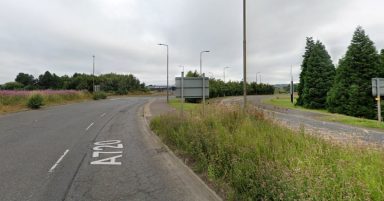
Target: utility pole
column 291, row 88
column 378, row 100
column 245, row 53
column 182, row 93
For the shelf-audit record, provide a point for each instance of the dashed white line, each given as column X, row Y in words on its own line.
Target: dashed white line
column 58, row 161
column 89, row 126
column 103, row 115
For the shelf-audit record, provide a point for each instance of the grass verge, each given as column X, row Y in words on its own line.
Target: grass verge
column 251, row 158
column 12, row 101
column 284, row 102
column 176, row 103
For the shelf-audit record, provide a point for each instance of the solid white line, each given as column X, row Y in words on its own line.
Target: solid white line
column 89, row 126
column 103, row 115
column 58, row 161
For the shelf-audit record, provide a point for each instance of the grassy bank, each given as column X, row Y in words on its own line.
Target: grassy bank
column 176, row 103
column 284, row 102
column 251, row 158
column 11, row 101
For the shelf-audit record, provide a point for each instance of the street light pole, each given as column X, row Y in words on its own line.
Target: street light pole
column 256, row 76
column 203, row 75
column 224, row 72
column 245, row 53
column 201, row 60
column 93, row 74
column 167, row 69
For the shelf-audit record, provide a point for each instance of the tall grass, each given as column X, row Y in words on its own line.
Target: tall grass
column 11, row 100
column 255, row 159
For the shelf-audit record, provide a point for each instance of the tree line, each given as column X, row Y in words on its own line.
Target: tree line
column 347, row 88
column 219, row 88
column 117, row 83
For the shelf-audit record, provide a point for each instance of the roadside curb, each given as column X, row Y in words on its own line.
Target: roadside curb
column 178, row 162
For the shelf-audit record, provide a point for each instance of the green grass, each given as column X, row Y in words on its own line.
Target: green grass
column 14, row 103
column 284, row 102
column 176, row 103
column 252, row 158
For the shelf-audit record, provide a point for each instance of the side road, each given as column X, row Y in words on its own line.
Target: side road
column 308, row 121
column 190, row 180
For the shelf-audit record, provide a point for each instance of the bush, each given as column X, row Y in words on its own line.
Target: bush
column 99, row 95
column 12, row 86
column 35, row 101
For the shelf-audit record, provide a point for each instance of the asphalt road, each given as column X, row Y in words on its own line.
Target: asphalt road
column 311, row 123
column 99, row 150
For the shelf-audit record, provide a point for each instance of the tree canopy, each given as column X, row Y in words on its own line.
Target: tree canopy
column 300, row 88
column 351, row 91
column 318, row 77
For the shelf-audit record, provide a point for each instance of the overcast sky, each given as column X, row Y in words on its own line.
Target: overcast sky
column 62, row 35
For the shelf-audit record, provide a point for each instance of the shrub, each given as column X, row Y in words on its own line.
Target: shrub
column 35, row 101
column 99, row 95
column 12, row 86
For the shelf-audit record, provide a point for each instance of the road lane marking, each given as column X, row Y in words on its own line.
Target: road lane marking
column 58, row 161
column 103, row 114
column 114, row 146
column 89, row 126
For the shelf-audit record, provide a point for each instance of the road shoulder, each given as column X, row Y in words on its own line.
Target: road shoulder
column 193, row 182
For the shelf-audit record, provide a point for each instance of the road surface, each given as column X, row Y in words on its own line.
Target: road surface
column 98, row 150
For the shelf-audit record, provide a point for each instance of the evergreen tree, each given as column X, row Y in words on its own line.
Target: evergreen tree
column 351, row 92
column 382, row 63
column 318, row 77
column 300, row 87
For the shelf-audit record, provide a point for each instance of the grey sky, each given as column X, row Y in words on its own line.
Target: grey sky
column 61, row 35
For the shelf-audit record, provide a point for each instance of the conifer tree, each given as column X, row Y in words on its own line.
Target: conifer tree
column 319, row 77
column 300, row 88
column 382, row 63
column 351, row 92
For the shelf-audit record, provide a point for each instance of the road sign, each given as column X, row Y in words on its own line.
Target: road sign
column 374, row 86
column 193, row 87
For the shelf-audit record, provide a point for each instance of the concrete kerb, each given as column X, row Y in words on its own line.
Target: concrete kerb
column 176, row 160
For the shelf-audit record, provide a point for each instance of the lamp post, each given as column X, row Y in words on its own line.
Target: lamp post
column 224, row 72
column 93, row 74
column 256, row 76
column 256, row 83
column 201, row 60
column 203, row 75
column 161, row 44
column 245, row 53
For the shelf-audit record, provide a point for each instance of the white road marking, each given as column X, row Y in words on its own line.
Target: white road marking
column 103, row 114
column 109, row 144
column 113, row 99
column 89, row 126
column 365, row 131
column 58, row 161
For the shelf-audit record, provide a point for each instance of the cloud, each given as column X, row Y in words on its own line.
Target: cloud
column 62, row 35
